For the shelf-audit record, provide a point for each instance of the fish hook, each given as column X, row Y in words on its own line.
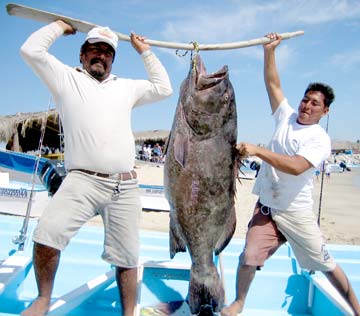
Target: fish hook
column 196, row 49
column 194, row 52
column 181, row 55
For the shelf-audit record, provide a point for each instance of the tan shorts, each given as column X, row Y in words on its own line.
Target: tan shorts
column 267, row 233
column 82, row 196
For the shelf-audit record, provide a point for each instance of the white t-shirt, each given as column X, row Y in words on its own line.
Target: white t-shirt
column 284, row 191
column 96, row 116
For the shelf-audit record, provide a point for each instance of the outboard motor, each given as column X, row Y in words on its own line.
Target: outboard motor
column 52, row 174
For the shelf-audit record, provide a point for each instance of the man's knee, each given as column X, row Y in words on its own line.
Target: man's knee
column 251, row 257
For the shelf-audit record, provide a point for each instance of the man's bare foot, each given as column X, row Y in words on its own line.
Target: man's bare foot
column 39, row 307
column 233, row 309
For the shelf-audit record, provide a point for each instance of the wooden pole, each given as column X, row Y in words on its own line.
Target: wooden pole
column 84, row 27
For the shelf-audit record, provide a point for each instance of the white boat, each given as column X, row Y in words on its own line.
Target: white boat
column 15, row 197
column 153, row 198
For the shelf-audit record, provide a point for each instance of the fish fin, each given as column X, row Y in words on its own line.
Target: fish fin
column 227, row 234
column 238, row 159
column 205, row 289
column 181, row 147
column 166, row 145
column 176, row 239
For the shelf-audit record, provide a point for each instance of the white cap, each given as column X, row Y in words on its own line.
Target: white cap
column 102, row 34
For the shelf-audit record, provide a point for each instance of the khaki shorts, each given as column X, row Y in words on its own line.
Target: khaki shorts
column 82, row 196
column 266, row 233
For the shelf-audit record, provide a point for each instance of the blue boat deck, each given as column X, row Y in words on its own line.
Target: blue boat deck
column 85, row 284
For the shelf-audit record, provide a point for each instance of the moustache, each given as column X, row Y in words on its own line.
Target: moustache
column 97, row 60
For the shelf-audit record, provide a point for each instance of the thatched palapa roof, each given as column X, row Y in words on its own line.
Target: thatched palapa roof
column 25, row 130
column 341, row 145
column 154, row 135
column 10, row 123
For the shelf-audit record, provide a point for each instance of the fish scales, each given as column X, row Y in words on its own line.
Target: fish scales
column 200, row 172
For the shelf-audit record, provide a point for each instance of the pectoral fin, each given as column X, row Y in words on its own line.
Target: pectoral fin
column 181, row 148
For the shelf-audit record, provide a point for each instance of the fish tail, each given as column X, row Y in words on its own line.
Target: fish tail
column 205, row 289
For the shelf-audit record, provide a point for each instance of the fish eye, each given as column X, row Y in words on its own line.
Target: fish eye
column 226, row 96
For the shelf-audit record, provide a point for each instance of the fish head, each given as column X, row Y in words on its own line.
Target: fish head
column 208, row 99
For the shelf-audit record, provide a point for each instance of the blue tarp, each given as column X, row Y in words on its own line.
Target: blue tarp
column 20, row 161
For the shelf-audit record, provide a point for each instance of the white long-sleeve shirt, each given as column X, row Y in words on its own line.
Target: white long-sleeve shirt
column 96, row 116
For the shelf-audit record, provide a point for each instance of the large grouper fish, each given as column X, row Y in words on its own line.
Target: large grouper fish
column 200, row 175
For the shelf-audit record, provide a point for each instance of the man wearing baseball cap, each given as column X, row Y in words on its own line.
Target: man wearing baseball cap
column 94, row 106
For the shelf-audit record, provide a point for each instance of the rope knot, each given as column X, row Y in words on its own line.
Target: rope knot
column 196, row 47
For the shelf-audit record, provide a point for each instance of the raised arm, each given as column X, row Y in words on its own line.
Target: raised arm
column 271, row 76
column 35, row 52
column 158, row 85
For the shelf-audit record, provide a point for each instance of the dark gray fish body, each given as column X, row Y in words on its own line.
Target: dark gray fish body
column 199, row 178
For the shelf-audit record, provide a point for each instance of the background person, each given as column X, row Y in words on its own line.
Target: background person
column 95, row 109
column 327, row 169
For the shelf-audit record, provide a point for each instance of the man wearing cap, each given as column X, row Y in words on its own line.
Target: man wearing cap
column 95, row 110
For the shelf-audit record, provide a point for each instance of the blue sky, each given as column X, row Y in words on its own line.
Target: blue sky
column 329, row 52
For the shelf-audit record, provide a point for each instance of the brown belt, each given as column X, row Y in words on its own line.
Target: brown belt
column 124, row 176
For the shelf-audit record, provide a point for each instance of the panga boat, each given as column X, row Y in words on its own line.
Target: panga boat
column 85, row 284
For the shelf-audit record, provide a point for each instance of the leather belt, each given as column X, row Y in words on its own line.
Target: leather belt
column 124, row 176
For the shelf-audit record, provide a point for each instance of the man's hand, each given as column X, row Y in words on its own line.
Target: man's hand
column 246, row 150
column 137, row 41
column 275, row 41
column 67, row 28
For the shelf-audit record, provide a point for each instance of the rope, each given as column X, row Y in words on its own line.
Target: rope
column 194, row 52
column 322, row 177
column 20, row 240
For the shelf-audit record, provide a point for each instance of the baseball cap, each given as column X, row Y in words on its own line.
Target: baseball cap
column 102, row 34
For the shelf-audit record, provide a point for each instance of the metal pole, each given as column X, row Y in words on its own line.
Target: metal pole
column 20, row 240
column 322, row 177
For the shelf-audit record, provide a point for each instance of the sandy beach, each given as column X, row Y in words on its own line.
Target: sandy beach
column 339, row 216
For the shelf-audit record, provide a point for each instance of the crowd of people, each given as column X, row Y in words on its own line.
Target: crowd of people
column 150, row 153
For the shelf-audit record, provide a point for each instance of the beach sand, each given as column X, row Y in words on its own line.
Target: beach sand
column 340, row 206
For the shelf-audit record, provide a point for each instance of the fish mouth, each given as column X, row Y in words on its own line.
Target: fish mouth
column 203, row 80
